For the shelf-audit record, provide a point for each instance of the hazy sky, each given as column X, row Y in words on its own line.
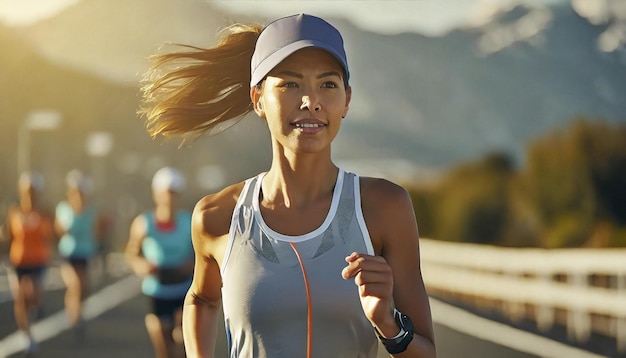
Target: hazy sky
column 18, row 12
column 427, row 16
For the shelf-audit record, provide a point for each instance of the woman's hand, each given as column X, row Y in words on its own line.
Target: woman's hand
column 374, row 278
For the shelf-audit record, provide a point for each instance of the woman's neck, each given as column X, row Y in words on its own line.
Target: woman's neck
column 163, row 213
column 289, row 186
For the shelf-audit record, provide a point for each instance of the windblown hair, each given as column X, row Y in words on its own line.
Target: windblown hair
column 197, row 91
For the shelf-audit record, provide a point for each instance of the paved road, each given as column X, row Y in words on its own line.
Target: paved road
column 120, row 333
column 115, row 327
column 116, row 333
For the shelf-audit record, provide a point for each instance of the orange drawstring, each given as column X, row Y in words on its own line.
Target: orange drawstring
column 309, row 310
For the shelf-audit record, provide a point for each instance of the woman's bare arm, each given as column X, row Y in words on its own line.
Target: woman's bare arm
column 134, row 258
column 392, row 278
column 210, row 224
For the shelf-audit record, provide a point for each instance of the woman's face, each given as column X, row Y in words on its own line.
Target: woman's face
column 164, row 197
column 303, row 100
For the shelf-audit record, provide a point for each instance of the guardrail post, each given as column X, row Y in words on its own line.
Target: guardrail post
column 578, row 320
column 545, row 314
column 620, row 324
column 514, row 309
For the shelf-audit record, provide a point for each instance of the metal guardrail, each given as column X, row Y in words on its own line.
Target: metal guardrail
column 545, row 279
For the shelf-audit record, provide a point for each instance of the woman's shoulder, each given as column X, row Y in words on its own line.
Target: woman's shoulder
column 223, row 199
column 63, row 209
column 13, row 209
column 213, row 212
column 380, row 190
column 383, row 200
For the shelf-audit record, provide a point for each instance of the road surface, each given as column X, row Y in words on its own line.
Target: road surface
column 115, row 327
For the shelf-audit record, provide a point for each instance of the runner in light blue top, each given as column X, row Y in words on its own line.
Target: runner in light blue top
column 76, row 224
column 168, row 247
column 79, row 241
column 160, row 251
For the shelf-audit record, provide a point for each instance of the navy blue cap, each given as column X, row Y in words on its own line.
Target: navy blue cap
column 284, row 36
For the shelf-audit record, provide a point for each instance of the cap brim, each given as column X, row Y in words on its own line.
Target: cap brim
column 277, row 57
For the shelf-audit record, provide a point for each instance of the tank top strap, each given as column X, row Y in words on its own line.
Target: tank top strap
column 242, row 215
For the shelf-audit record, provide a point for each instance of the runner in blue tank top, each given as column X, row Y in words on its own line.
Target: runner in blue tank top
column 305, row 259
column 77, row 224
column 160, row 251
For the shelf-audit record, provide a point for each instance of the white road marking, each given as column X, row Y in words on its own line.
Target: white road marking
column 98, row 303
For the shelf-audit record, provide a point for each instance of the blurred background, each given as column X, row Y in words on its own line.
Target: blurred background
column 507, row 113
column 506, row 120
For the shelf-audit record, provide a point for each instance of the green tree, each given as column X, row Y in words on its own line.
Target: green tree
column 473, row 201
column 575, row 181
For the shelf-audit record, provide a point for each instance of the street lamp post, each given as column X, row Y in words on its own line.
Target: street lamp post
column 98, row 145
column 36, row 120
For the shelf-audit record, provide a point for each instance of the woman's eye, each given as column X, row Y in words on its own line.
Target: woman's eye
column 330, row 85
column 289, row 85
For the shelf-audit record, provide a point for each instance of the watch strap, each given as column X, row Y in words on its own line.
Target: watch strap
column 400, row 342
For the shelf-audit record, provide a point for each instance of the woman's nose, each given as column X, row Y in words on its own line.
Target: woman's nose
column 307, row 103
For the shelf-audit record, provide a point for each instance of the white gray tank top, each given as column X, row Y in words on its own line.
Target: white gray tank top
column 264, row 295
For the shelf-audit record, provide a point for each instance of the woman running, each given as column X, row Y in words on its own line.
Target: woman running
column 306, row 259
column 159, row 249
column 76, row 224
column 30, row 230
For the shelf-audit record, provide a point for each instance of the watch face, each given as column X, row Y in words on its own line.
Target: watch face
column 404, row 321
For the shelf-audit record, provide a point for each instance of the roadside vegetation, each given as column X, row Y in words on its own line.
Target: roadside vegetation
column 569, row 192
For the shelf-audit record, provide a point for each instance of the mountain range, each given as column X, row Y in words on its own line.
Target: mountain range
column 420, row 104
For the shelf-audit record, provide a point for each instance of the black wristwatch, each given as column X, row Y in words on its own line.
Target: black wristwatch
column 400, row 342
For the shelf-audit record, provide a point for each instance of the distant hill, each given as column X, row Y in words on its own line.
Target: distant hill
column 89, row 103
column 430, row 102
column 443, row 101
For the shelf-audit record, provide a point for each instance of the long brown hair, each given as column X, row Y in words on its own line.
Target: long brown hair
column 195, row 91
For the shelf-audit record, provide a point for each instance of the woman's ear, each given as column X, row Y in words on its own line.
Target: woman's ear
column 348, row 98
column 257, row 101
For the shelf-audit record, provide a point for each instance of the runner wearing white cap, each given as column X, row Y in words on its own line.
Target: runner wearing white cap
column 307, row 260
column 159, row 250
